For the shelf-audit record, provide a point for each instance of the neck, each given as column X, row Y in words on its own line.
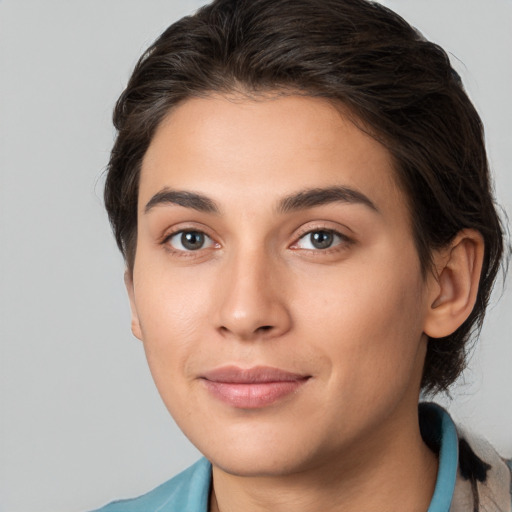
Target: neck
column 393, row 471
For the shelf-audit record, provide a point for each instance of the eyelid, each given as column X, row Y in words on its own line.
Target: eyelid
column 344, row 240
column 178, row 234
column 184, row 228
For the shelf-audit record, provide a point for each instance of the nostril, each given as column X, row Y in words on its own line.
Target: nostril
column 247, row 332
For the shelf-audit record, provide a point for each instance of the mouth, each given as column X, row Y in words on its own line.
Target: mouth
column 252, row 388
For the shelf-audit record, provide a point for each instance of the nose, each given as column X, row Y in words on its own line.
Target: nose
column 252, row 303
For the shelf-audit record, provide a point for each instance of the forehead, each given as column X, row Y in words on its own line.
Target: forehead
column 264, row 149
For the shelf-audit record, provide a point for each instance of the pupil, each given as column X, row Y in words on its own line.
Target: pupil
column 321, row 239
column 192, row 240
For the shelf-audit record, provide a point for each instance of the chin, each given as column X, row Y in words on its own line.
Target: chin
column 265, row 464
column 268, row 456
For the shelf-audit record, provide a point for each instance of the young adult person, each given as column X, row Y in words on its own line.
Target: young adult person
column 301, row 193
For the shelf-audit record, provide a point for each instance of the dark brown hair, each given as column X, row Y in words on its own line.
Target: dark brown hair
column 399, row 87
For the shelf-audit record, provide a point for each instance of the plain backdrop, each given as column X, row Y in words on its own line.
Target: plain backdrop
column 80, row 420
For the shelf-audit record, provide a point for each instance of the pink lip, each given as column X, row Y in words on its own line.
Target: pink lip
column 251, row 388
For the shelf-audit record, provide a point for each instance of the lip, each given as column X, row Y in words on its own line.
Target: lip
column 252, row 388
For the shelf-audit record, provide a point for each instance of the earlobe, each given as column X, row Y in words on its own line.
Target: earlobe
column 128, row 281
column 455, row 289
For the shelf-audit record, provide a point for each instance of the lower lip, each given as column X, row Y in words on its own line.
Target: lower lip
column 254, row 395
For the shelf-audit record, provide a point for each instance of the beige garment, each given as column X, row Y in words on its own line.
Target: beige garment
column 494, row 494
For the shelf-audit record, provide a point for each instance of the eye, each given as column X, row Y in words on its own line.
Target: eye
column 189, row 241
column 319, row 239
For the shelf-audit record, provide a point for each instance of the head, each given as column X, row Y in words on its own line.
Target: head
column 300, row 185
column 392, row 84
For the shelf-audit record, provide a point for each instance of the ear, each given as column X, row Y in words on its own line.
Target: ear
column 454, row 283
column 128, row 281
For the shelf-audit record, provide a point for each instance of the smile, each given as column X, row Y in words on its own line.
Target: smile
column 252, row 388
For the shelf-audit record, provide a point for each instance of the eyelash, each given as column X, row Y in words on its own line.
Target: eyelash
column 184, row 252
column 342, row 241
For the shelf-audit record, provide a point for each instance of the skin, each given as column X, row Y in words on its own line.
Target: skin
column 351, row 317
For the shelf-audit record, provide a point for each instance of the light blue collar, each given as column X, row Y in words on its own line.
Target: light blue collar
column 448, row 457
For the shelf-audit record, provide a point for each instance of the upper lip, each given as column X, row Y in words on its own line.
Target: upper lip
column 256, row 374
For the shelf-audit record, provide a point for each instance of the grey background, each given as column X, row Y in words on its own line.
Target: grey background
column 80, row 420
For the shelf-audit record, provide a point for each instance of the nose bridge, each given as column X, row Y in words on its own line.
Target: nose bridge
column 252, row 303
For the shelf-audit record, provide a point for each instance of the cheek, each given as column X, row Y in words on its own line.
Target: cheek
column 173, row 314
column 369, row 324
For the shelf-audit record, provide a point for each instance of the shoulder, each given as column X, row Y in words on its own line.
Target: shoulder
column 484, row 478
column 472, row 475
column 186, row 492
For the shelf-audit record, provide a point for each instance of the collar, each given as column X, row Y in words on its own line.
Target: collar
column 440, row 434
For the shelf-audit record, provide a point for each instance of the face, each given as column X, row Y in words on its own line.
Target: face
column 276, row 285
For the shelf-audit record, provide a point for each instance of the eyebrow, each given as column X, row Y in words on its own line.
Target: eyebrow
column 319, row 196
column 299, row 201
column 182, row 198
